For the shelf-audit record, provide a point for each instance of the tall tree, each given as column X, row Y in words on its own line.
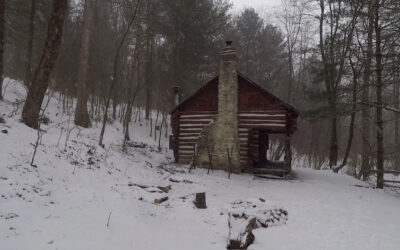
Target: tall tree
column 379, row 87
column 2, row 10
column 150, row 17
column 81, row 113
column 249, row 26
column 291, row 17
column 352, row 114
column 193, row 32
column 397, row 119
column 365, row 113
column 149, row 76
column 28, row 75
column 261, row 49
column 40, row 81
column 334, row 46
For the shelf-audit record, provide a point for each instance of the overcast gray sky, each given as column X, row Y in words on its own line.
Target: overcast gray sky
column 265, row 8
column 239, row 4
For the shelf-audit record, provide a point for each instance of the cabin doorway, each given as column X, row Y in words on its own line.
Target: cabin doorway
column 261, row 156
column 259, row 145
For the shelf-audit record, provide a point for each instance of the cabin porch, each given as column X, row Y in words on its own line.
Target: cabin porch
column 259, row 156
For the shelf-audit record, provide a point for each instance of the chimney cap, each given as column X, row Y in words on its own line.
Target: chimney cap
column 228, row 43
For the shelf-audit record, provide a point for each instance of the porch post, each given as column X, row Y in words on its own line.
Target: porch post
column 288, row 152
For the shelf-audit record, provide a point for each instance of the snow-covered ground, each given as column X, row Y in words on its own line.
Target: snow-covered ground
column 78, row 188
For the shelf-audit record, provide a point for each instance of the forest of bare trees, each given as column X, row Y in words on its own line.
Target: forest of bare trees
column 336, row 61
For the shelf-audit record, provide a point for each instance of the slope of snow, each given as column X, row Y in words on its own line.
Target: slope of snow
column 78, row 188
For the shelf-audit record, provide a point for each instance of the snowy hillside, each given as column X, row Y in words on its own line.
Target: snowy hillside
column 82, row 196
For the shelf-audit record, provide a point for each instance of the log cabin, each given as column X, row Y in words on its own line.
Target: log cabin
column 227, row 122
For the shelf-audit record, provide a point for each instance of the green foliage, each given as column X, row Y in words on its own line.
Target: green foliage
column 193, row 33
column 261, row 50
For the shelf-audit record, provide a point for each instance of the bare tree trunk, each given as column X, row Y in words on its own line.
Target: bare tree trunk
column 127, row 119
column 155, row 125
column 37, row 90
column 63, row 103
column 114, row 106
column 121, row 112
column 131, row 99
column 28, row 74
column 332, row 99
column 366, row 152
column 2, row 9
column 91, row 106
column 396, row 122
column 379, row 85
column 352, row 118
column 333, row 150
column 149, row 77
column 166, row 126
column 161, row 127
column 291, row 74
column 81, row 113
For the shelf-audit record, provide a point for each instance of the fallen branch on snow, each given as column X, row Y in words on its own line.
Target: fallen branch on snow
column 152, row 189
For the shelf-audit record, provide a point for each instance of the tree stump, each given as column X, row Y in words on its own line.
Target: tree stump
column 200, row 201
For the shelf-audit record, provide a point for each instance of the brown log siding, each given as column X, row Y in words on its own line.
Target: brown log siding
column 258, row 110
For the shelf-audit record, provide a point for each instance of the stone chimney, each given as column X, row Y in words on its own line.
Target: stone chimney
column 222, row 134
column 227, row 124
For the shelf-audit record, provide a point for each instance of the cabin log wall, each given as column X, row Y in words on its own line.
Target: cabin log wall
column 258, row 111
column 190, row 126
